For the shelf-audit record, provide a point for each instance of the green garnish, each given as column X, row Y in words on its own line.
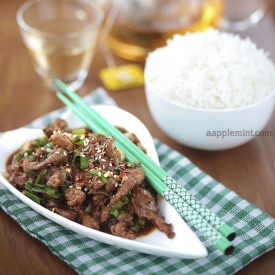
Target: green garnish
column 84, row 162
column 31, row 173
column 100, row 175
column 118, row 206
column 52, row 192
column 80, row 142
column 80, row 131
column 138, row 225
column 33, row 187
column 44, row 171
column 18, row 157
column 40, row 188
column 32, row 157
column 32, row 197
column 41, row 141
column 80, row 160
column 39, row 180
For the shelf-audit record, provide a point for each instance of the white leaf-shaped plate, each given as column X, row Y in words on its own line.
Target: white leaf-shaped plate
column 184, row 245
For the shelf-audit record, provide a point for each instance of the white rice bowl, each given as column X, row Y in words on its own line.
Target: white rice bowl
column 210, row 90
column 211, row 70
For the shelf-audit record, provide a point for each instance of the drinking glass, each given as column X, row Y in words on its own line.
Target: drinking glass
column 239, row 15
column 61, row 36
column 140, row 26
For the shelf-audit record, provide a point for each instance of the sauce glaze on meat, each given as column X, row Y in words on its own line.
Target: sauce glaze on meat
column 83, row 177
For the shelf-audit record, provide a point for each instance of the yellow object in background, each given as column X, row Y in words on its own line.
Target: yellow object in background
column 122, row 77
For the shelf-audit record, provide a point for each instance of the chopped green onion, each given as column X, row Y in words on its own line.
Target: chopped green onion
column 41, row 141
column 28, row 152
column 48, row 146
column 141, row 222
column 33, row 187
column 44, row 171
column 39, row 180
column 18, row 157
column 84, row 162
column 80, row 160
column 80, row 131
column 32, row 196
column 115, row 208
column 31, row 173
column 64, row 175
column 114, row 212
column 75, row 155
column 137, row 228
column 100, row 176
column 52, row 191
column 32, row 157
column 80, row 142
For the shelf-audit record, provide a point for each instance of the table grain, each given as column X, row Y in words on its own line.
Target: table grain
column 248, row 170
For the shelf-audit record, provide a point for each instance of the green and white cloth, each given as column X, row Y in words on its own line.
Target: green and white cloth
column 255, row 229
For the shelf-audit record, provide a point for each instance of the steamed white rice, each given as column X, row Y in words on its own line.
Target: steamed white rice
column 213, row 69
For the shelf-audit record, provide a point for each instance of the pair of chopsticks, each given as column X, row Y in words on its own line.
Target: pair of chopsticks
column 191, row 210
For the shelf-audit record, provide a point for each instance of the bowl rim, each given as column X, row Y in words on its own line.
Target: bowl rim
column 149, row 85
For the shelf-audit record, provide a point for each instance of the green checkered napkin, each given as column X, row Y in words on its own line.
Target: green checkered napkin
column 255, row 229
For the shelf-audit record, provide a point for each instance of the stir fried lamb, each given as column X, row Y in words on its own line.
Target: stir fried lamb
column 83, row 177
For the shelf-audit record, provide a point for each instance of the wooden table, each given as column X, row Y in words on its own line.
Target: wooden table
column 248, row 170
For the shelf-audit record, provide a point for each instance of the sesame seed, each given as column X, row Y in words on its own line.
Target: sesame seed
column 86, row 142
column 106, row 175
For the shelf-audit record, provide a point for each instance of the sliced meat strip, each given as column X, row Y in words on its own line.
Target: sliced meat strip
column 112, row 184
column 146, row 208
column 74, row 196
column 58, row 124
column 57, row 157
column 134, row 178
column 88, row 220
column 62, row 140
column 27, row 164
column 19, row 179
column 58, row 178
column 119, row 229
column 112, row 152
column 105, row 215
column 62, row 210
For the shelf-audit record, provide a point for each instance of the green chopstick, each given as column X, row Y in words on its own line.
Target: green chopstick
column 213, row 228
column 221, row 226
column 191, row 217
